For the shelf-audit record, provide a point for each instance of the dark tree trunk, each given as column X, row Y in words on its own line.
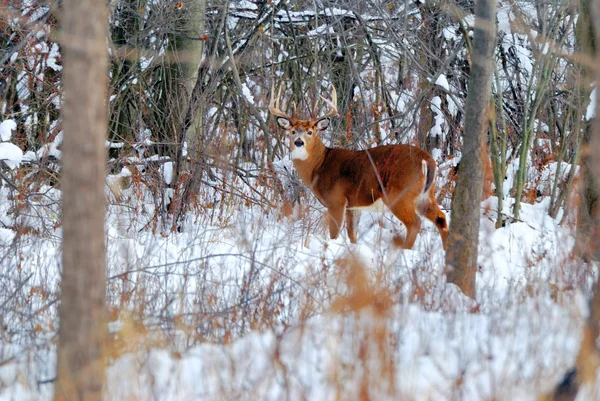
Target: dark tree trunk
column 461, row 256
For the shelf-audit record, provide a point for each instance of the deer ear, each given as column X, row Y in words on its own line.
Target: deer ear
column 323, row 124
column 283, row 123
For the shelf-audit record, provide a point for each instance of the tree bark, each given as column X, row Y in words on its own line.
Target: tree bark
column 431, row 59
column 125, row 111
column 588, row 359
column 463, row 240
column 588, row 208
column 498, row 145
column 82, row 332
column 193, row 50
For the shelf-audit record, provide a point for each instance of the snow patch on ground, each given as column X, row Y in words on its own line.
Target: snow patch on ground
column 6, row 129
column 519, row 342
column 10, row 154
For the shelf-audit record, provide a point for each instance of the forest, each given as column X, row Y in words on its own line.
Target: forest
column 159, row 239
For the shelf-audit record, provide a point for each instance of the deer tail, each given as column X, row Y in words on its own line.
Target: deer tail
column 429, row 173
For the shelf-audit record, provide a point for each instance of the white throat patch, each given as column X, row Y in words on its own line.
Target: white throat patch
column 299, row 153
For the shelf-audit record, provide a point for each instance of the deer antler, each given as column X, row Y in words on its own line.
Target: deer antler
column 315, row 109
column 274, row 105
column 332, row 104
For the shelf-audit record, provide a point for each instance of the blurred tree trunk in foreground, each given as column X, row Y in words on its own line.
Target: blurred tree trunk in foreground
column 588, row 359
column 461, row 257
column 80, row 367
column 588, row 229
column 589, row 193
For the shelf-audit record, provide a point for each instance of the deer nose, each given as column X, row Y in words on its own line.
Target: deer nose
column 299, row 143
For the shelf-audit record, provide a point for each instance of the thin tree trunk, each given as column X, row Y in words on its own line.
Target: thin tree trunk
column 124, row 117
column 187, row 45
column 463, row 241
column 193, row 51
column 528, row 128
column 539, row 86
column 499, row 149
column 429, row 34
column 82, row 332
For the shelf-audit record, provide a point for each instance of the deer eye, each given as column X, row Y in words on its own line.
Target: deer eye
column 309, row 132
column 293, row 132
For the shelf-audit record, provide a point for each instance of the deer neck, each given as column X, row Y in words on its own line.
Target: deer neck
column 306, row 168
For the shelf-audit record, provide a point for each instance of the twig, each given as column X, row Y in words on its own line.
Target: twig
column 19, row 287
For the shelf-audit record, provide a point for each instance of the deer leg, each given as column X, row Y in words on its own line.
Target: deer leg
column 408, row 216
column 352, row 217
column 335, row 219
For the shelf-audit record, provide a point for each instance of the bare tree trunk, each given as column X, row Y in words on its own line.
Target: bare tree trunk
column 125, row 111
column 430, row 57
column 588, row 359
column 498, row 157
column 461, row 256
column 189, row 127
column 588, row 207
column 193, row 52
column 80, row 368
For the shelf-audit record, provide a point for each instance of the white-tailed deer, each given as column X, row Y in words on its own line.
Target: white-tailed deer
column 400, row 177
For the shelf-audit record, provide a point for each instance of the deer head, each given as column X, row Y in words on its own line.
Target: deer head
column 304, row 133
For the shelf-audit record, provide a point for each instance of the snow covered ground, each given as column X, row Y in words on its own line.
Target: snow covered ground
column 252, row 306
column 250, row 303
column 245, row 303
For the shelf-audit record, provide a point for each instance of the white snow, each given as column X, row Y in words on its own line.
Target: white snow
column 437, row 154
column 469, row 20
column 53, row 55
column 10, row 154
column 452, row 106
column 167, row 171
column 438, row 126
column 590, row 112
column 443, row 82
column 504, row 19
column 321, row 360
column 517, row 344
column 247, row 93
column 6, row 129
column 321, row 30
column 51, row 148
column 450, row 33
